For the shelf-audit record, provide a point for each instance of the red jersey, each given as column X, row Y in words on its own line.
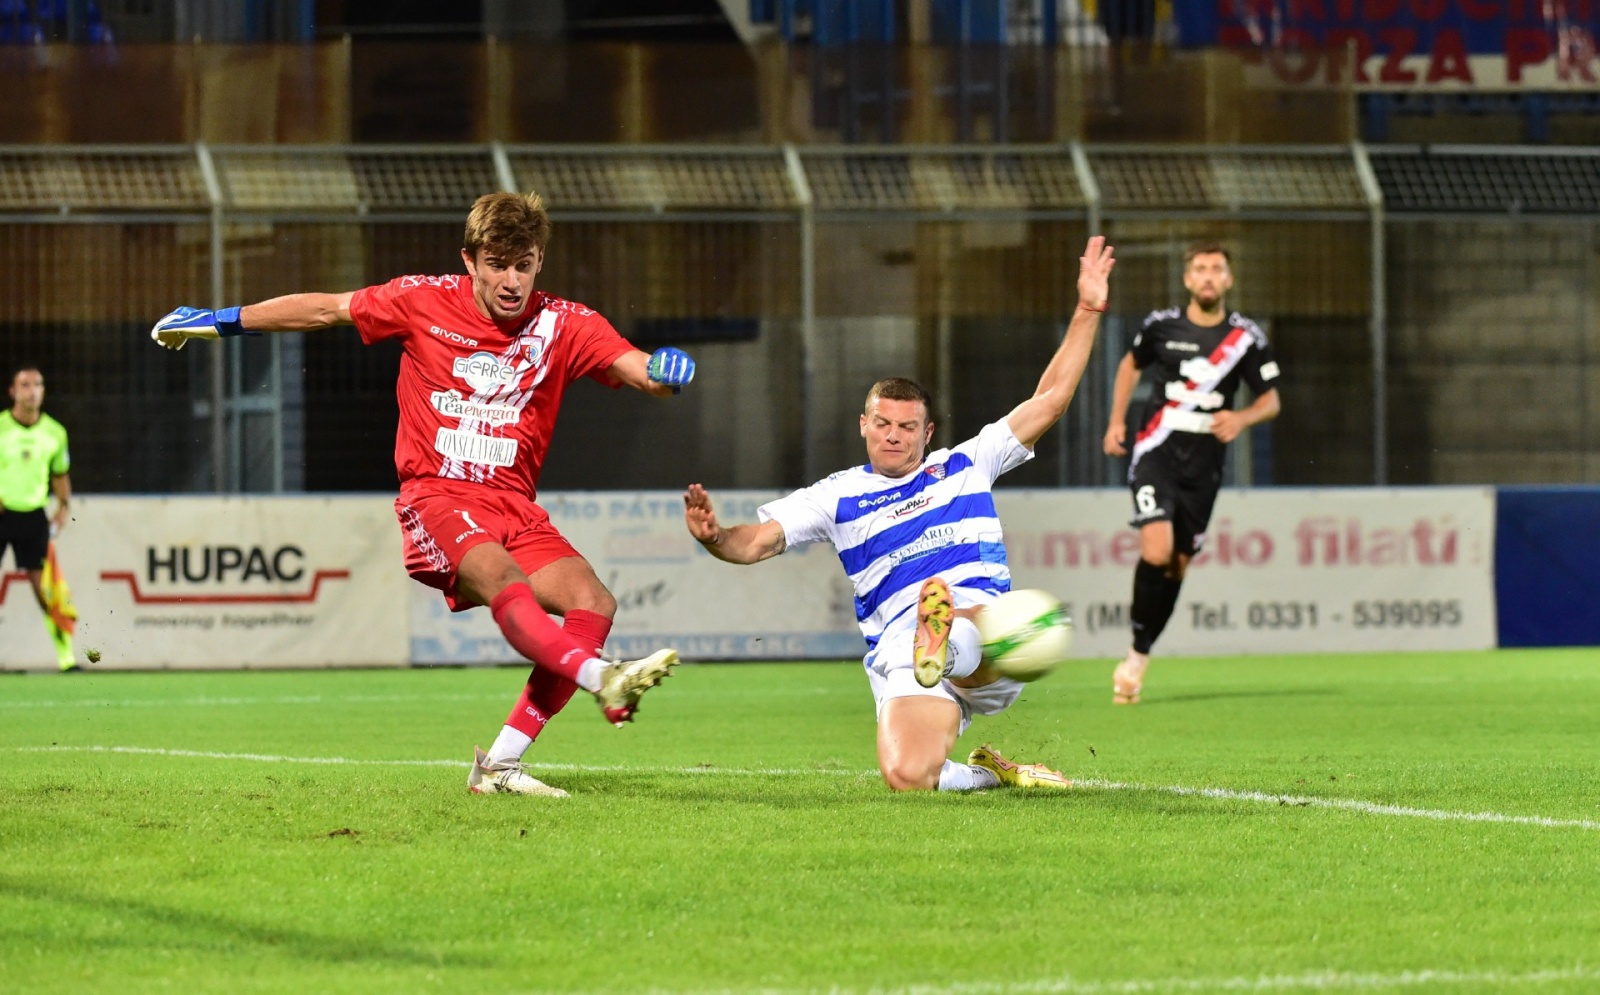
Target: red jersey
column 478, row 402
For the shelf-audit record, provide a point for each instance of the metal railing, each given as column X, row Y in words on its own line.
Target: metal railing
column 801, row 272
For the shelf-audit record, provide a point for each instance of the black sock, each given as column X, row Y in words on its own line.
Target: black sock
column 1155, row 595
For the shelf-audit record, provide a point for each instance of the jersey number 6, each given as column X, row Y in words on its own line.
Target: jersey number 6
column 1145, row 498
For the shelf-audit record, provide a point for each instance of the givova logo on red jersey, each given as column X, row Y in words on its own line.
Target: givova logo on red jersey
column 483, row 370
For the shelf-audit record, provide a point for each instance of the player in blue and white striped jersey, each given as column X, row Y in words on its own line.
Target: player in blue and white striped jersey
column 918, row 534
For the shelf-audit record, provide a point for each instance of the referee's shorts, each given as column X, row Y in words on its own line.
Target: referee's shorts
column 27, row 535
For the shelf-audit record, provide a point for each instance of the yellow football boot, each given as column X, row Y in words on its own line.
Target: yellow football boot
column 1013, row 775
column 936, row 611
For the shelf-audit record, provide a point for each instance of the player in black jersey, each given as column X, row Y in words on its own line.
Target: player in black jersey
column 1194, row 358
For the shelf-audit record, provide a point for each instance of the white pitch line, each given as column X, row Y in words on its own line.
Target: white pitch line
column 1224, row 794
column 1348, row 805
column 1310, row 981
column 351, row 761
column 209, row 701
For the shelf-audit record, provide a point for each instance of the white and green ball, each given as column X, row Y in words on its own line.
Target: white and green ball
column 1026, row 634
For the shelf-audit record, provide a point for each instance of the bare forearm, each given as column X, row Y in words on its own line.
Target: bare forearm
column 1262, row 409
column 62, row 486
column 1033, row 417
column 633, row 370
column 743, row 544
column 296, row 313
column 1122, row 388
column 1066, row 367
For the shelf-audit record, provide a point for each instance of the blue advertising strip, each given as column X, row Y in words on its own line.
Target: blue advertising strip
column 1481, row 27
column 1547, row 566
column 1404, row 44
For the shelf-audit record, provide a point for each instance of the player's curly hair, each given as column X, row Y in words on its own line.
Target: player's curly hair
column 1207, row 247
column 509, row 225
column 900, row 389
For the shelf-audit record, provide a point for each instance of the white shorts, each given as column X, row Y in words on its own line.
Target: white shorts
column 891, row 675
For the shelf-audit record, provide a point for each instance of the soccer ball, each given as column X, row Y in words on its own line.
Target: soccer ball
column 1025, row 634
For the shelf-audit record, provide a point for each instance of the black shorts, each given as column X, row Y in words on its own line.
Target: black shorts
column 1162, row 493
column 27, row 533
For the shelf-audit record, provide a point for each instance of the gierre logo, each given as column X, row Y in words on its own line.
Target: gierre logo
column 483, row 370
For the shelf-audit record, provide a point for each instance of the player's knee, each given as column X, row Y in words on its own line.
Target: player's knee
column 982, row 676
column 900, row 782
column 1157, row 551
column 901, row 775
column 595, row 598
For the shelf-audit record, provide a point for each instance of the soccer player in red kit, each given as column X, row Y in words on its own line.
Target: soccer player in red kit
column 486, row 361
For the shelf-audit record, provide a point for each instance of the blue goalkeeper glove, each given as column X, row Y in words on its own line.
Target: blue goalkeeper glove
column 188, row 323
column 670, row 367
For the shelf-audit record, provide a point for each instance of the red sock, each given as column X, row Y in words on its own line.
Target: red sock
column 546, row 692
column 529, row 717
column 530, row 632
column 588, row 628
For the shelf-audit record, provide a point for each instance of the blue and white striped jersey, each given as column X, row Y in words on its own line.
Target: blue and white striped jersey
column 894, row 533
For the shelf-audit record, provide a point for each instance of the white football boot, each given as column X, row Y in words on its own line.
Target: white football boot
column 1127, row 681
column 508, row 777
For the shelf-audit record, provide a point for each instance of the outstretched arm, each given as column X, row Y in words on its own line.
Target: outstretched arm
column 292, row 313
column 1030, row 419
column 740, row 544
column 661, row 373
column 297, row 313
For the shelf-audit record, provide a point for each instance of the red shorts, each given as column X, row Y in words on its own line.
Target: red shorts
column 442, row 519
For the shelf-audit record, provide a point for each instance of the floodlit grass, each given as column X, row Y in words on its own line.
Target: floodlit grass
column 678, row 865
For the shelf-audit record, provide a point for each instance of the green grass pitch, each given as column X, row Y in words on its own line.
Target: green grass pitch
column 1375, row 823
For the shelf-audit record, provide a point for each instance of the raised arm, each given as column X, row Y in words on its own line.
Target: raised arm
column 292, row 313
column 740, row 544
column 1030, row 419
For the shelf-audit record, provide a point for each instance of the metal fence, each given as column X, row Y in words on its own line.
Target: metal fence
column 798, row 275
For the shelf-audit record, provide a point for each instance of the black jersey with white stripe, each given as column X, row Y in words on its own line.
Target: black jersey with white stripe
column 1194, row 371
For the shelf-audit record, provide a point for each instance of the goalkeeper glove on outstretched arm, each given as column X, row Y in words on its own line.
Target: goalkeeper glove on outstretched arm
column 188, row 323
column 670, row 367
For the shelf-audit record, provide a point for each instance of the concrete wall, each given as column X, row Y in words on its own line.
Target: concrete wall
column 1495, row 351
